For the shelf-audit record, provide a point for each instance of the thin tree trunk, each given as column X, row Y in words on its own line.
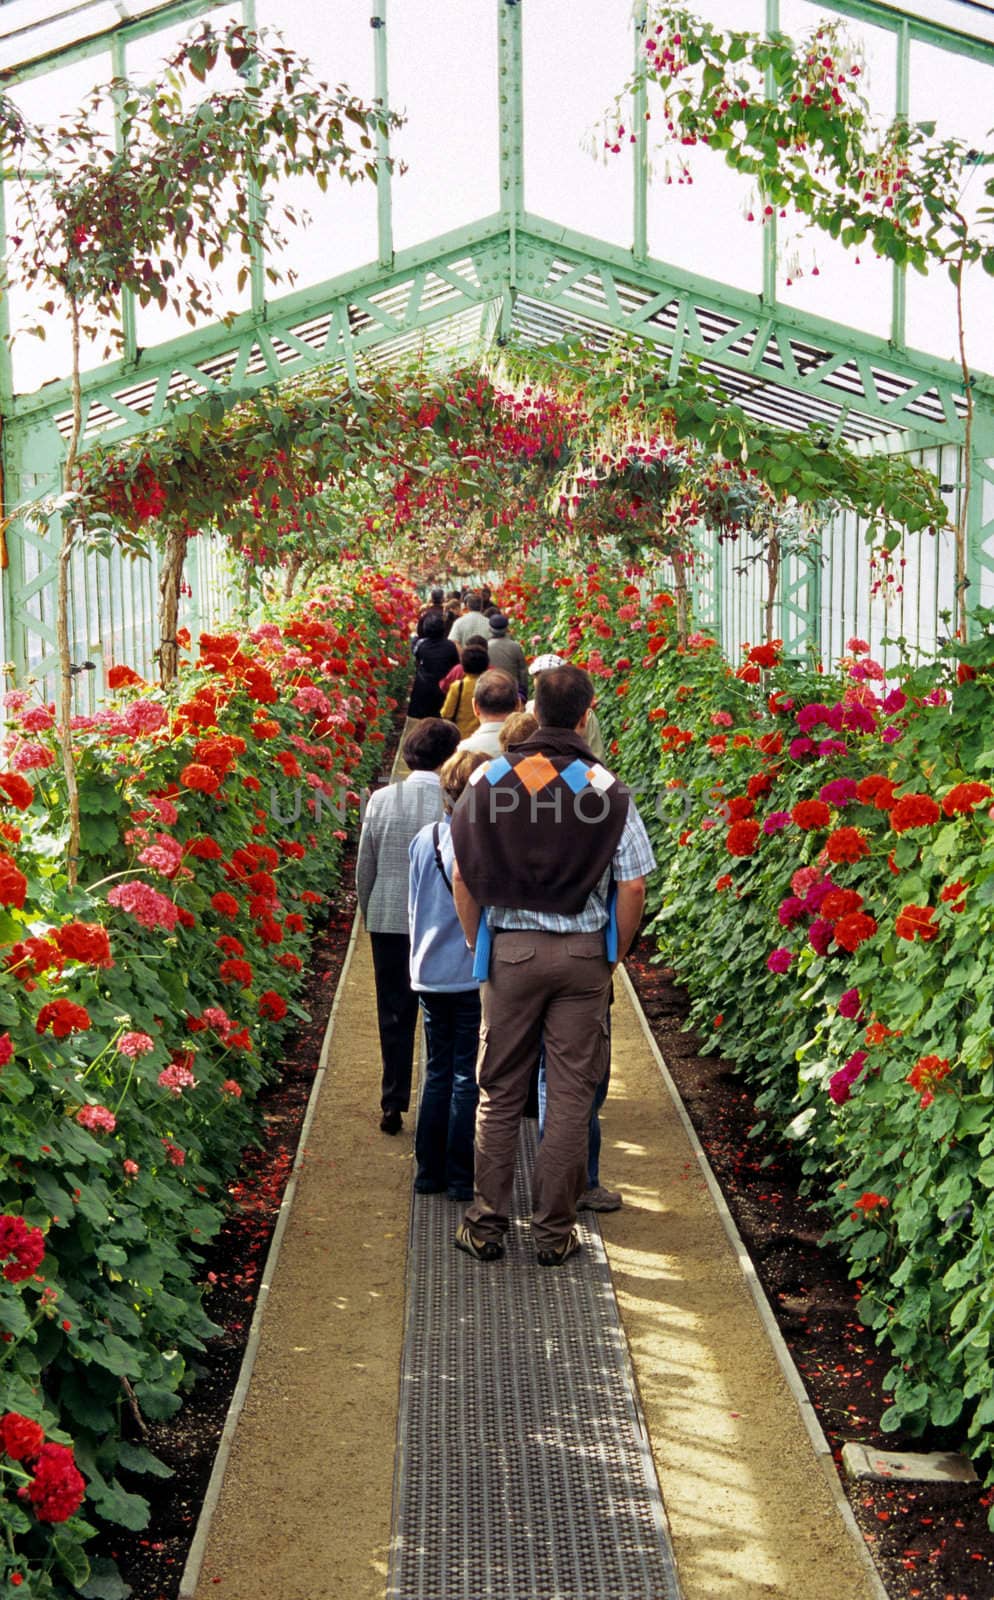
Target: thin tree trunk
column 170, row 580
column 66, row 674
column 773, row 561
column 293, row 567
column 682, row 597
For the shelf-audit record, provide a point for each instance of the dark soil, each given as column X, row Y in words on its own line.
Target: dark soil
column 928, row 1540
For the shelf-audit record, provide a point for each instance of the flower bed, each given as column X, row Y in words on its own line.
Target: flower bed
column 140, row 1014
column 827, row 852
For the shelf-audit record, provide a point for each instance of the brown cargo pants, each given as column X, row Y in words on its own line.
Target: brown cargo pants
column 551, row 986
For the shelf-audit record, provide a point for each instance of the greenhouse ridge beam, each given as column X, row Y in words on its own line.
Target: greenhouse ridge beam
column 102, row 41
column 961, row 41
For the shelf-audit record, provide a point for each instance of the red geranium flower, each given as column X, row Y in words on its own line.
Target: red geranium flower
column 225, row 904
column 740, row 839
column 205, row 849
column 21, row 1438
column 86, row 942
column 58, row 1487
column 913, row 811
column 13, row 883
column 739, row 808
column 962, row 798
column 840, row 903
column 65, row 1018
column 272, row 1005
column 235, row 972
column 846, row 844
column 811, row 814
column 197, row 776
column 876, row 790
column 18, row 790
column 852, row 930
column 22, row 1247
column 123, row 678
column 915, row 922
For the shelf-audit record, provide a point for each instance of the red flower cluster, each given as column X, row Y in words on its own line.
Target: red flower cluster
column 21, row 1438
column 86, row 942
column 225, row 904
column 846, row 844
column 18, row 790
column 811, row 814
column 56, row 1491
column 13, row 883
column 925, row 1074
column 915, row 922
column 22, row 1247
column 272, row 1005
column 121, row 677
column 201, row 778
column 853, row 930
column 64, row 1017
column 741, row 838
column 914, row 811
column 962, row 798
column 235, row 972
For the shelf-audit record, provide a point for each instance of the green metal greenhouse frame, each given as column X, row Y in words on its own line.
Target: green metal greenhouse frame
column 509, row 276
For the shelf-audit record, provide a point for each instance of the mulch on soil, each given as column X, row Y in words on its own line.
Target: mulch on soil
column 929, row 1541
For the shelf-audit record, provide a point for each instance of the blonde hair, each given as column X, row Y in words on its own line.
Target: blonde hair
column 516, row 728
column 454, row 774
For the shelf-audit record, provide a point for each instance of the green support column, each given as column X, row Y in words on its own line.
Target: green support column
column 640, row 149
column 257, row 258
column 384, row 192
column 511, row 125
column 770, row 224
column 899, row 304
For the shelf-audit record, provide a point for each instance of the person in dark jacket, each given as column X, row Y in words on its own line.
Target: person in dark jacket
column 435, row 603
column 434, row 656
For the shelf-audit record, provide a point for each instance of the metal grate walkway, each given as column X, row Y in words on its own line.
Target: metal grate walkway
column 523, row 1469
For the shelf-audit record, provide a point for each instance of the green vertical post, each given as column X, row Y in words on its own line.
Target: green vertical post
column 119, row 68
column 257, row 255
column 902, row 108
column 770, row 224
column 640, row 149
column 384, row 191
column 511, row 124
column 6, row 395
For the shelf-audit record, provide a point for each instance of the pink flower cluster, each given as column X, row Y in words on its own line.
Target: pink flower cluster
column 177, row 1077
column 97, row 1118
column 135, row 1044
column 148, row 907
column 164, row 855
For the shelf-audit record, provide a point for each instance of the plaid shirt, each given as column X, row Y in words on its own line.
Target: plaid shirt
column 632, row 859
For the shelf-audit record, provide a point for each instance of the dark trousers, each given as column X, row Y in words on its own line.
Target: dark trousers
column 397, row 1016
column 443, row 1143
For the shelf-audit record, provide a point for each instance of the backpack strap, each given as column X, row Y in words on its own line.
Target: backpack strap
column 438, row 858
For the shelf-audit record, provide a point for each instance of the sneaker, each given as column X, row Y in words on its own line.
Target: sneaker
column 558, row 1256
column 600, row 1199
column 391, row 1122
column 479, row 1249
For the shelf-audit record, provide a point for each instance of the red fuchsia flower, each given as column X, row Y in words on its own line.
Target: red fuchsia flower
column 235, row 972
column 174, row 1153
column 22, row 1247
column 13, row 883
column 915, row 922
column 914, row 811
column 225, row 904
column 811, row 814
column 840, row 1084
column 85, row 942
column 838, row 792
column 177, row 1077
column 148, row 907
column 272, row 1005
column 963, row 797
column 6, row 1049
column 849, row 1004
column 56, row 1491
column 741, row 838
column 198, row 777
column 21, row 1438
column 779, row 960
column 953, row 895
column 97, row 1118
column 820, row 936
column 64, row 1017
column 135, row 1044
column 16, row 789
column 230, row 1087
column 846, row 844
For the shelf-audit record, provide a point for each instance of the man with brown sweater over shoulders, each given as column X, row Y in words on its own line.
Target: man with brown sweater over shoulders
column 551, row 857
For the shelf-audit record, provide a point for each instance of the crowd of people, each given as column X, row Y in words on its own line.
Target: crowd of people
column 501, row 882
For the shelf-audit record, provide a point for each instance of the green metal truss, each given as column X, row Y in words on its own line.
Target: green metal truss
column 512, row 275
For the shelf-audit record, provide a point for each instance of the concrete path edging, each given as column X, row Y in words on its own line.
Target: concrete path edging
column 198, row 1547
column 785, row 1360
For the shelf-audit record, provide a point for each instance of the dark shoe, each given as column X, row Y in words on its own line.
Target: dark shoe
column 561, row 1254
column 391, row 1122
column 599, row 1199
column 479, row 1249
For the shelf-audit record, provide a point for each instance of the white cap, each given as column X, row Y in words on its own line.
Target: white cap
column 546, row 663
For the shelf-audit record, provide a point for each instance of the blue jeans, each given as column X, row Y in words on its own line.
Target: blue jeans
column 594, row 1133
column 443, row 1141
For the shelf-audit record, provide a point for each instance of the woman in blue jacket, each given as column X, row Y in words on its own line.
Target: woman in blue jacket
column 449, row 996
